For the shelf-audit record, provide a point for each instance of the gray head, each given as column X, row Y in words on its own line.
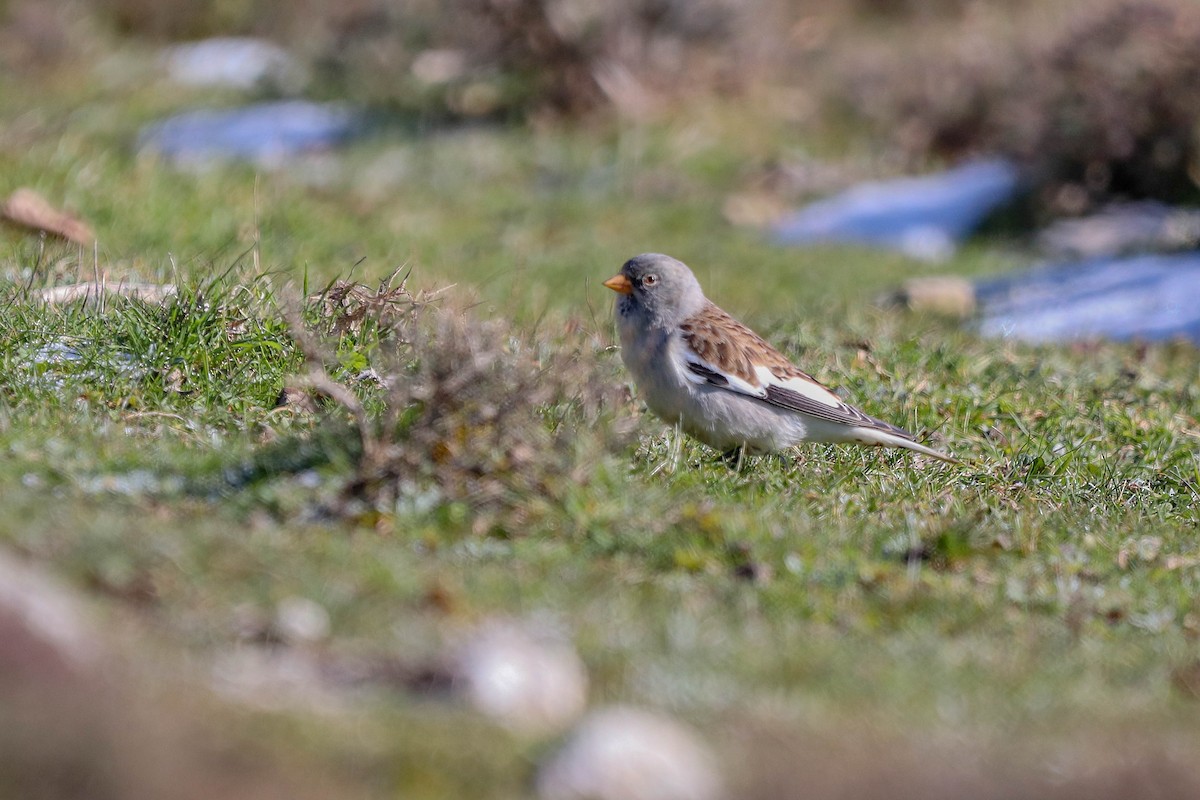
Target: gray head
column 658, row 287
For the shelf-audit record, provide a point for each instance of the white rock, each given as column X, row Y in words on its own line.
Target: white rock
column 627, row 754
column 234, row 62
column 301, row 621
column 528, row 680
column 46, row 610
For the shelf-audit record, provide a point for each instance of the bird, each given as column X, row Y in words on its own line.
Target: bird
column 720, row 382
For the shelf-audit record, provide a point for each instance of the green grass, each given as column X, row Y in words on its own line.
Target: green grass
column 1049, row 583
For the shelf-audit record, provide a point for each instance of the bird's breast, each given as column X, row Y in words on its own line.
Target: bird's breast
column 649, row 355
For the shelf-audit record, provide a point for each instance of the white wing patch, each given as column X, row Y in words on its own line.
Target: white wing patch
column 800, row 386
column 704, row 373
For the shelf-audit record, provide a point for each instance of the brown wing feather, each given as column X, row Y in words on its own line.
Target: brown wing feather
column 720, row 339
column 724, row 342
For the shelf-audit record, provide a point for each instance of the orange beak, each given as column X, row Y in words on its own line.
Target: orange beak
column 619, row 284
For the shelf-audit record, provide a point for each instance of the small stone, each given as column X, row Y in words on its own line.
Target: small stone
column 436, row 67
column 752, row 210
column 299, row 620
column 627, row 754
column 947, row 295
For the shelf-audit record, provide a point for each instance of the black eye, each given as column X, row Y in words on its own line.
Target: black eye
column 649, row 280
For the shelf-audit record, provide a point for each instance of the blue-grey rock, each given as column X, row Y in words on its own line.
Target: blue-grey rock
column 268, row 134
column 1150, row 297
column 924, row 217
column 1123, row 228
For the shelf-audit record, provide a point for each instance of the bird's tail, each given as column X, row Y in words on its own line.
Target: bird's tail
column 888, row 438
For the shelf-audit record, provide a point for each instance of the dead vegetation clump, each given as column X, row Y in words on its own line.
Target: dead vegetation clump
column 468, row 410
column 486, row 58
column 1100, row 101
column 1118, row 104
column 349, row 307
column 506, row 58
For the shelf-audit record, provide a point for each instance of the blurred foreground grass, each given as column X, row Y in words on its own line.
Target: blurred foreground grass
column 1049, row 585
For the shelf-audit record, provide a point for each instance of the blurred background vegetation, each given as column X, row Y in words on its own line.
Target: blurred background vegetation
column 1097, row 97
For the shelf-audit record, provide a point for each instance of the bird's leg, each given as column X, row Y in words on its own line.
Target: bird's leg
column 735, row 458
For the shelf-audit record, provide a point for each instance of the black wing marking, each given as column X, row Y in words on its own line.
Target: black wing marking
column 841, row 414
column 711, row 375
